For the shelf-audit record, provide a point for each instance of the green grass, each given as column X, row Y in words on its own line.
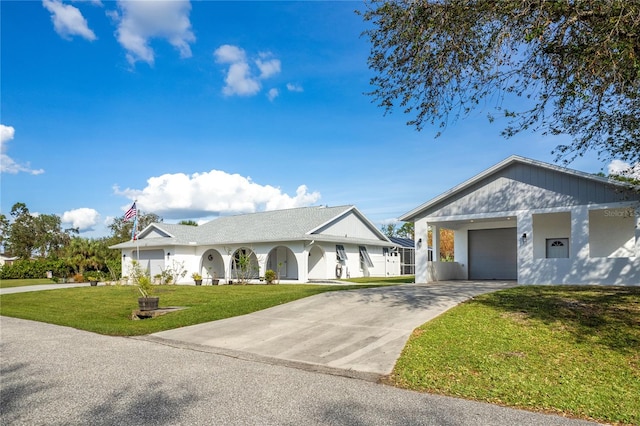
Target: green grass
column 20, row 283
column 560, row 349
column 107, row 309
column 404, row 279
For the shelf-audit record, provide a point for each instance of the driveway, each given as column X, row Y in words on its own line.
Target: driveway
column 358, row 333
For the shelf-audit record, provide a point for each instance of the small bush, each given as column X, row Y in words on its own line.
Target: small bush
column 269, row 276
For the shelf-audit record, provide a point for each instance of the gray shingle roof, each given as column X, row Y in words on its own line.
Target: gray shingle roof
column 277, row 225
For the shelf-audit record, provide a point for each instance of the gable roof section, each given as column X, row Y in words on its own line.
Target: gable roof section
column 276, row 225
column 352, row 222
column 518, row 183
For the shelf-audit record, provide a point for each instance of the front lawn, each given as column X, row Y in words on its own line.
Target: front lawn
column 107, row 309
column 560, row 349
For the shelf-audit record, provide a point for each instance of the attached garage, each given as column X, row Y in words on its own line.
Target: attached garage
column 493, row 254
column 151, row 260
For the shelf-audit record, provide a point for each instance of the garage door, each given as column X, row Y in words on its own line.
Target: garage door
column 493, row 254
column 151, row 260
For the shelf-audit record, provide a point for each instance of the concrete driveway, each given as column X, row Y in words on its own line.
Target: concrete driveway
column 358, row 333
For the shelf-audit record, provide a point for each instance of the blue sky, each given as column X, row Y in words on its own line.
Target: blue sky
column 213, row 108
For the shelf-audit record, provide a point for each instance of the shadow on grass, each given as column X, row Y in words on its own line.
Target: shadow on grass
column 608, row 316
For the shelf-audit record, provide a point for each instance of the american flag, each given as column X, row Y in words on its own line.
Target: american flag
column 131, row 213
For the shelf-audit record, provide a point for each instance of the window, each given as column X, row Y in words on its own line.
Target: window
column 557, row 248
column 341, row 255
column 365, row 260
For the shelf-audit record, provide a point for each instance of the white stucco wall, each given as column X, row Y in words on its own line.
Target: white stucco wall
column 604, row 244
column 296, row 260
column 612, row 233
column 581, row 267
column 549, row 225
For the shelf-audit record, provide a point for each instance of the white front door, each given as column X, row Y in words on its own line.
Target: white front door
column 557, row 248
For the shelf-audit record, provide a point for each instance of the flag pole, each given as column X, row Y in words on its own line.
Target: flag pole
column 135, row 232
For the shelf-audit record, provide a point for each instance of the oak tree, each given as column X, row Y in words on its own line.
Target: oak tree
column 555, row 66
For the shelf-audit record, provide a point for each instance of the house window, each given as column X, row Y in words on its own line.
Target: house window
column 365, row 260
column 341, row 255
column 557, row 248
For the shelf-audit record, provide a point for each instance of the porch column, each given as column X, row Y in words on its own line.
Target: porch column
column 435, row 243
column 422, row 251
column 525, row 260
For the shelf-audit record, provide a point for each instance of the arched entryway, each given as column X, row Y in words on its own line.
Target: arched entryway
column 317, row 264
column 244, row 265
column 212, row 265
column 282, row 260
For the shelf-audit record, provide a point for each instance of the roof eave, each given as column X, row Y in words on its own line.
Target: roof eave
column 411, row 215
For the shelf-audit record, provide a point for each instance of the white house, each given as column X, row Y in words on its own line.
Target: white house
column 302, row 244
column 536, row 223
column 5, row 259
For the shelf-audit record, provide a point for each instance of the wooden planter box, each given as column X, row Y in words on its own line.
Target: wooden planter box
column 148, row 303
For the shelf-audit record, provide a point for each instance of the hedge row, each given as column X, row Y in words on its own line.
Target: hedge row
column 23, row 269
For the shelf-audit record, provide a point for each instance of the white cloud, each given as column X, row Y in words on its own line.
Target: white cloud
column 68, row 20
column 83, row 218
column 210, row 193
column 272, row 94
column 6, row 133
column 622, row 168
column 240, row 79
column 269, row 67
column 141, row 20
column 294, row 87
column 228, row 54
column 7, row 164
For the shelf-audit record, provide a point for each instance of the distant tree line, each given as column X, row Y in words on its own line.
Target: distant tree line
column 41, row 244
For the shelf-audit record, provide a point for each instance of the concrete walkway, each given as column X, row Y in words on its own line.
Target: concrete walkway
column 358, row 333
column 41, row 287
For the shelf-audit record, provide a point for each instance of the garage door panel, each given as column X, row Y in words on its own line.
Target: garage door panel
column 152, row 261
column 493, row 254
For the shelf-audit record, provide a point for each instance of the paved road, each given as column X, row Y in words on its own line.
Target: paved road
column 53, row 375
column 358, row 333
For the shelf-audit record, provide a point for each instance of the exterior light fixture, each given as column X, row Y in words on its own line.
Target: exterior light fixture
column 524, row 237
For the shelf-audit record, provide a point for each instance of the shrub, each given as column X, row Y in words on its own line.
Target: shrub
column 269, row 276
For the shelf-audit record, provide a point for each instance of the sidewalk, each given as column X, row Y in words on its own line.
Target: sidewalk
column 41, row 287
